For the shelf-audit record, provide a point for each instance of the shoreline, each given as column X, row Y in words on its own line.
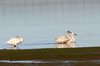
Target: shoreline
column 86, row 53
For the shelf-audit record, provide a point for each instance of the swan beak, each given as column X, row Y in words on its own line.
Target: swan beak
column 75, row 34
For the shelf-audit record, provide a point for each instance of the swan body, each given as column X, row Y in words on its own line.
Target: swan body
column 15, row 41
column 63, row 39
column 67, row 41
column 72, row 40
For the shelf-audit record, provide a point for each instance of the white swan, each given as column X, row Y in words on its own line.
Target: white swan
column 72, row 41
column 63, row 39
column 15, row 41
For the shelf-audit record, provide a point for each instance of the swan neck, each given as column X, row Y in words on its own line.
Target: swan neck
column 73, row 37
column 67, row 36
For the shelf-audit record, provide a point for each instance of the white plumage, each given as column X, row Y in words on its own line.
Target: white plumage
column 15, row 41
column 63, row 39
column 67, row 41
column 72, row 40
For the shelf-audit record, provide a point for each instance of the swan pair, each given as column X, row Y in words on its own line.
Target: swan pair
column 15, row 41
column 66, row 39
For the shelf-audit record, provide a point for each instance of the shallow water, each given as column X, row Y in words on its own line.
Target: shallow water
column 40, row 21
column 55, row 61
column 50, row 63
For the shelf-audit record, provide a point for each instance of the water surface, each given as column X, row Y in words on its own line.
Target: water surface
column 40, row 21
column 51, row 61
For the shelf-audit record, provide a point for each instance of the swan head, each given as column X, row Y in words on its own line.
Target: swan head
column 74, row 34
column 68, row 32
column 17, row 36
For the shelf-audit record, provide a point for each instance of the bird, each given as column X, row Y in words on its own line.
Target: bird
column 15, row 41
column 72, row 41
column 63, row 39
column 68, row 44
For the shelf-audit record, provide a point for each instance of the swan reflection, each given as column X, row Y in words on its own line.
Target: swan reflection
column 62, row 46
column 13, row 48
column 68, row 45
column 72, row 45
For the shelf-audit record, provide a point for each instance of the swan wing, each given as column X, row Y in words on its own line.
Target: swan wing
column 13, row 41
column 61, row 39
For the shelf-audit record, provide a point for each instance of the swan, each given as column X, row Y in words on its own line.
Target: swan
column 15, row 41
column 72, row 41
column 63, row 39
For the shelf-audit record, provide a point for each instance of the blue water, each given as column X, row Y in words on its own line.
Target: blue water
column 40, row 21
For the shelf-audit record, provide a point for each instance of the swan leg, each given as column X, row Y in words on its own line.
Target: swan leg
column 14, row 45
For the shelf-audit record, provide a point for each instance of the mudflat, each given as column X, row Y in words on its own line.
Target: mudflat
column 85, row 53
